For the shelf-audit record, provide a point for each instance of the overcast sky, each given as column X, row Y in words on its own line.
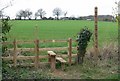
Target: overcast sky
column 73, row 7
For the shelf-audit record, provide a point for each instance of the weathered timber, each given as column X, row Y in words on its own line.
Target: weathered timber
column 62, row 61
column 15, row 52
column 52, row 60
column 69, row 50
column 25, row 57
column 37, row 53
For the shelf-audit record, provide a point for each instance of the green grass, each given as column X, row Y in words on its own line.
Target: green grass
column 24, row 30
column 62, row 29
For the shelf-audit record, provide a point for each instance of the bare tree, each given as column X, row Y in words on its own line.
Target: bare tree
column 28, row 13
column 36, row 15
column 40, row 13
column 57, row 12
column 19, row 15
column 1, row 14
column 116, row 10
column 24, row 13
column 2, row 9
column 65, row 13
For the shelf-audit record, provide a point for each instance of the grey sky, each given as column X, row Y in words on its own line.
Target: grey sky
column 73, row 7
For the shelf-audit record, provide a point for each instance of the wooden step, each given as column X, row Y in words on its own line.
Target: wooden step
column 51, row 53
column 60, row 60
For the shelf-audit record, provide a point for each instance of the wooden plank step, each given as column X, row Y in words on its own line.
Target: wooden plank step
column 61, row 59
column 51, row 53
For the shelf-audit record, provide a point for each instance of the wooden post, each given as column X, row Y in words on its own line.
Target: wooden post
column 15, row 53
column 49, row 59
column 70, row 51
column 37, row 53
column 96, row 31
column 119, row 8
column 119, row 15
column 119, row 28
column 52, row 56
column 53, row 62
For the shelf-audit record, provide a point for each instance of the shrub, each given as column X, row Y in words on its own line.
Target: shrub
column 5, row 29
column 83, row 38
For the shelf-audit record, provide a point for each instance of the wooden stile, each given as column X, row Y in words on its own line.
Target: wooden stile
column 51, row 55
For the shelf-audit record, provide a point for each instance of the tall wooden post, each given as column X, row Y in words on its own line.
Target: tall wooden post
column 119, row 14
column 15, row 52
column 96, row 31
column 37, row 53
column 119, row 28
column 70, row 51
column 119, row 7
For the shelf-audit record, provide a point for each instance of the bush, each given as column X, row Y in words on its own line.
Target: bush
column 5, row 29
column 83, row 38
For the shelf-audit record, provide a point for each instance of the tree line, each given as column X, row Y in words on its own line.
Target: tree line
column 40, row 14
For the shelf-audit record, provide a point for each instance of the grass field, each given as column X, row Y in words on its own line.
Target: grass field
column 62, row 29
column 107, row 68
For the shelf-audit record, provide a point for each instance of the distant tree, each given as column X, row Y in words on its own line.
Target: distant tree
column 116, row 10
column 28, row 13
column 36, row 15
column 50, row 18
column 44, row 18
column 65, row 13
column 80, row 18
column 41, row 13
column 57, row 12
column 24, row 14
column 19, row 14
column 1, row 14
column 2, row 9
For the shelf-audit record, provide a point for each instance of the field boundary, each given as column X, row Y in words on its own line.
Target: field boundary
column 37, row 51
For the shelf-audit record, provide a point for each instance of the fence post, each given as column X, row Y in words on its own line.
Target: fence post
column 96, row 31
column 15, row 52
column 37, row 53
column 69, row 51
column 52, row 60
